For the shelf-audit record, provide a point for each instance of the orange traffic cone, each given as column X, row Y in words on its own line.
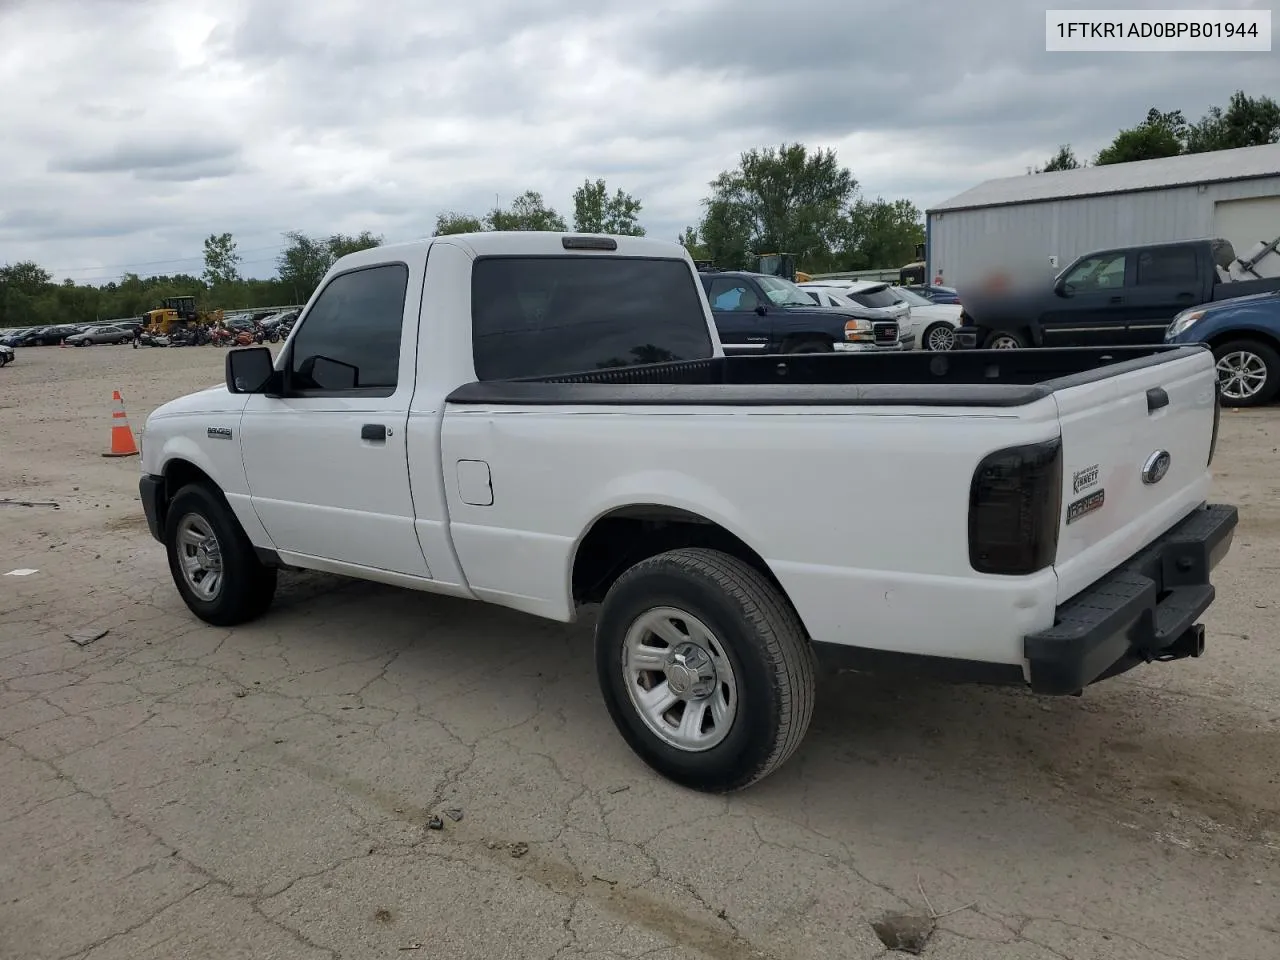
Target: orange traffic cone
column 122, row 442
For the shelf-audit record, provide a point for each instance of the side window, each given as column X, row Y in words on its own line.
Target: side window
column 1168, row 266
column 350, row 340
column 1105, row 272
column 729, row 294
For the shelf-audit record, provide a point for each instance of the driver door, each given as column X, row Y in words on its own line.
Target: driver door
column 1094, row 311
column 327, row 462
column 734, row 302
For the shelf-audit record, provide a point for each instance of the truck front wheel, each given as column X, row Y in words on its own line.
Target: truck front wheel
column 705, row 668
column 212, row 562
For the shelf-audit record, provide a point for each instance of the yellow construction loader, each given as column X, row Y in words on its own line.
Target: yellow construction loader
column 781, row 265
column 174, row 310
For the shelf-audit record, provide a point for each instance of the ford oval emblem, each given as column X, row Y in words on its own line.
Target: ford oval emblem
column 1156, row 467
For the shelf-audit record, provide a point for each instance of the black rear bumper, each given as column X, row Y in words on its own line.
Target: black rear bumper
column 1144, row 610
column 151, row 491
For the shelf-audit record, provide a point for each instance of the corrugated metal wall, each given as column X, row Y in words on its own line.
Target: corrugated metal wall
column 966, row 245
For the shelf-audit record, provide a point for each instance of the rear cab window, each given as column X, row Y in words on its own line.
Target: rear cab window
column 876, row 297
column 540, row 316
column 1166, row 266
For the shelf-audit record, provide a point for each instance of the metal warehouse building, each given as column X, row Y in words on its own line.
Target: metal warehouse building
column 1044, row 221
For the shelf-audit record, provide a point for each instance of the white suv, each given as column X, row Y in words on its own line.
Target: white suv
column 874, row 295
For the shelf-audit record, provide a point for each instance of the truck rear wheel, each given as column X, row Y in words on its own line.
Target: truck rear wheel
column 212, row 562
column 1248, row 372
column 705, row 668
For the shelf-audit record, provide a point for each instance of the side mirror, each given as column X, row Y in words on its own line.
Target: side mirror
column 761, row 309
column 251, row 370
column 1062, row 288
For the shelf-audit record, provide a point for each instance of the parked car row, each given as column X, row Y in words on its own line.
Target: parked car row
column 77, row 334
column 760, row 314
column 274, row 325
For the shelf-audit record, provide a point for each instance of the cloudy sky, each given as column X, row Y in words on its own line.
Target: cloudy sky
column 132, row 129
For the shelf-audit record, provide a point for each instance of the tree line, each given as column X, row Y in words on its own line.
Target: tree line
column 785, row 199
column 1245, row 122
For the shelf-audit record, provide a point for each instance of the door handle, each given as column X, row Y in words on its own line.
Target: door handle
column 374, row 431
column 1117, row 300
column 1185, row 296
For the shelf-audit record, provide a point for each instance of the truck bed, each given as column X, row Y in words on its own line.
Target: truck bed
column 1244, row 288
column 970, row 378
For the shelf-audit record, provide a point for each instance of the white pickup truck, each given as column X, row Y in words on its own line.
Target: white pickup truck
column 546, row 421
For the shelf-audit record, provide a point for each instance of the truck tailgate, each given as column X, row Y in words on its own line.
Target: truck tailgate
column 1135, row 461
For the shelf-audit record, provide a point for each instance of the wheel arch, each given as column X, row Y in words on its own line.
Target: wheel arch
column 1270, row 338
column 625, row 534
column 806, row 336
column 184, row 465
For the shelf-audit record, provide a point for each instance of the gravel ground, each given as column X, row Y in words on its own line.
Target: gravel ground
column 174, row 790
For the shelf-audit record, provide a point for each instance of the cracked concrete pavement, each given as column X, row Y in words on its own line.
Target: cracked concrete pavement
column 178, row 791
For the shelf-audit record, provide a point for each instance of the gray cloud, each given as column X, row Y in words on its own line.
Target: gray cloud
column 157, row 123
column 173, row 156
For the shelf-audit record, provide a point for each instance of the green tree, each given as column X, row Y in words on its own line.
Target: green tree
column 302, row 264
column 221, row 262
column 25, row 276
column 595, row 211
column 1160, row 135
column 881, row 233
column 22, row 287
column 783, row 200
column 451, row 222
column 1064, row 159
column 1247, row 122
column 693, row 243
column 305, row 260
column 340, row 244
column 527, row 212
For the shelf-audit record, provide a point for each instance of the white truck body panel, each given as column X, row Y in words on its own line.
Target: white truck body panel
column 816, row 491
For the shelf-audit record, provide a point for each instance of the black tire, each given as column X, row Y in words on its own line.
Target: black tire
column 248, row 586
column 933, row 329
column 760, row 636
column 1270, row 361
column 995, row 339
column 812, row 345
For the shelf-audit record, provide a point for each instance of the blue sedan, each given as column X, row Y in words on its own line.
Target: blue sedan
column 1244, row 335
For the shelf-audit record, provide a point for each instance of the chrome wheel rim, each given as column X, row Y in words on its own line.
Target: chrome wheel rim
column 200, row 556
column 1004, row 343
column 1241, row 375
column 940, row 338
column 680, row 680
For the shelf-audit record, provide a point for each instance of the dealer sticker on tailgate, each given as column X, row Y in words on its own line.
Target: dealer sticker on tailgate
column 1085, row 505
